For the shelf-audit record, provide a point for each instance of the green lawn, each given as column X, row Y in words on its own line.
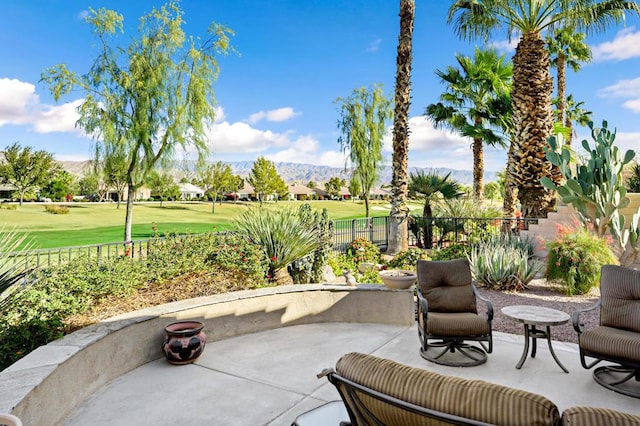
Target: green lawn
column 89, row 223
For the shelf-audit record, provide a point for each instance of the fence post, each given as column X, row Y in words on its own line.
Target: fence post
column 353, row 229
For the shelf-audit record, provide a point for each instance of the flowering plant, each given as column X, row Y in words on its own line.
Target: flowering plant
column 576, row 256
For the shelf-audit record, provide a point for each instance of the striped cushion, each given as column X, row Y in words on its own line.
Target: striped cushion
column 608, row 341
column 461, row 324
column 472, row 399
column 447, row 285
column 597, row 417
column 620, row 293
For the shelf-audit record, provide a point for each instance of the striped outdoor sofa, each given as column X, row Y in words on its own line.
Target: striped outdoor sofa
column 379, row 391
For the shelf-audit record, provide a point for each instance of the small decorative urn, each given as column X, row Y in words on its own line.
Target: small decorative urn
column 184, row 341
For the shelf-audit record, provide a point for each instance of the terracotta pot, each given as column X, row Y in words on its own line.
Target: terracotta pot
column 184, row 341
column 398, row 279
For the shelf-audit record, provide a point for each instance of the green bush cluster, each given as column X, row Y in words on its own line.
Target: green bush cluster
column 454, row 251
column 38, row 316
column 576, row 256
column 55, row 209
column 239, row 257
column 363, row 251
column 9, row 206
column 407, row 259
column 502, row 263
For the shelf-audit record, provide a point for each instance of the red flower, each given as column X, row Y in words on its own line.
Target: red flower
column 274, row 258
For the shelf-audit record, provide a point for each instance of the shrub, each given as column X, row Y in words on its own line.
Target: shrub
column 239, row 257
column 55, row 209
column 633, row 180
column 340, row 261
column 285, row 236
column 454, row 251
column 361, row 251
column 502, row 264
column 407, row 259
column 576, row 256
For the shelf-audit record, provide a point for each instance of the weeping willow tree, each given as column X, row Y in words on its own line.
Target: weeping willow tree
column 363, row 120
column 148, row 98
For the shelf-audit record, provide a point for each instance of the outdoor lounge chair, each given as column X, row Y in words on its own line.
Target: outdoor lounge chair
column 617, row 339
column 448, row 316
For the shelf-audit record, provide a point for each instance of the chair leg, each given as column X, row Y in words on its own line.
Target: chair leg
column 471, row 355
column 615, row 377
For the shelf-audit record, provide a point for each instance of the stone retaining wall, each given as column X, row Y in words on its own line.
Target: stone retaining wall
column 44, row 387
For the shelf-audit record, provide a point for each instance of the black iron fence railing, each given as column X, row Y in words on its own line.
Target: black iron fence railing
column 423, row 233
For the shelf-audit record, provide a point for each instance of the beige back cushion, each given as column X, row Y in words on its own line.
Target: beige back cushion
column 579, row 416
column 472, row 399
column 447, row 285
column 620, row 294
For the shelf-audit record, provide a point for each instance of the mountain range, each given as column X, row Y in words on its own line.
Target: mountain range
column 303, row 173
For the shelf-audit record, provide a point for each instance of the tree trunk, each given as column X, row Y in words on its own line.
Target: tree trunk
column 509, row 202
column 213, row 205
column 533, row 124
column 562, row 84
column 129, row 215
column 366, row 205
column 398, row 238
column 478, row 170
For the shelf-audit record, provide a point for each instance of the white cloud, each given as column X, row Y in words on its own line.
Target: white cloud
column 219, row 114
column 506, row 46
column 239, row 137
column 17, row 101
column 374, row 46
column 59, row 118
column 83, row 14
column 279, row 114
column 624, row 89
column 625, row 45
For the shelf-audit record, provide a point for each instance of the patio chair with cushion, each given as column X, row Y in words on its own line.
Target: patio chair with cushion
column 448, row 317
column 617, row 339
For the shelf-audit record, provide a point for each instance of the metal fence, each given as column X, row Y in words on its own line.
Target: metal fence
column 424, row 233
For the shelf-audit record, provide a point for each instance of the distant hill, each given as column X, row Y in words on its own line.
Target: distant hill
column 303, row 173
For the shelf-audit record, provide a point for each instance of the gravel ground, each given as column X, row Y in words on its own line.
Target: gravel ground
column 541, row 293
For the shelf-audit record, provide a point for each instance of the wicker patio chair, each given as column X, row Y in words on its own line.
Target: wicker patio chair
column 617, row 339
column 448, row 316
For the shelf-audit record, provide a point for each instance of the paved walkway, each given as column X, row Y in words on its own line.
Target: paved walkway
column 268, row 378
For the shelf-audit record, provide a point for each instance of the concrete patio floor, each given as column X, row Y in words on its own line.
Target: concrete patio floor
column 269, row 377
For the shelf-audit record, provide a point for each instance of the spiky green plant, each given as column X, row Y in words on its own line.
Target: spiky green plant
column 502, row 264
column 283, row 234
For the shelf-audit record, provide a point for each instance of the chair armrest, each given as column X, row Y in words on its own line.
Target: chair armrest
column 423, row 304
column 575, row 316
column 486, row 301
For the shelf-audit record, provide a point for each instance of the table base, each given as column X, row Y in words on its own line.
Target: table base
column 531, row 333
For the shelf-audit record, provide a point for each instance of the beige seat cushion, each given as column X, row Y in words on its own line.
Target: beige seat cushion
column 620, row 293
column 447, row 285
column 613, row 342
column 473, row 399
column 578, row 416
column 460, row 324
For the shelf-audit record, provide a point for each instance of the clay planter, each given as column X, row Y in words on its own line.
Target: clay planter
column 184, row 341
column 398, row 279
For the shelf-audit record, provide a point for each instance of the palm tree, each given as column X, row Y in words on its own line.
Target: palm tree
column 575, row 113
column 399, row 211
column 464, row 104
column 532, row 83
column 567, row 48
column 430, row 187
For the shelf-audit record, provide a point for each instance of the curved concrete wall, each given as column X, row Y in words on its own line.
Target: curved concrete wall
column 43, row 387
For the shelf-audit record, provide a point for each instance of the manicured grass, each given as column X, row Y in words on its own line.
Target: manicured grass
column 92, row 223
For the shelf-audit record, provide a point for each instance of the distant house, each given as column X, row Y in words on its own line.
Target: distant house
column 246, row 192
column 379, row 194
column 321, row 193
column 189, row 191
column 300, row 192
column 142, row 193
column 6, row 191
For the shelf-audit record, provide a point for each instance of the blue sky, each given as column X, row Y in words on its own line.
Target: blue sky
column 276, row 98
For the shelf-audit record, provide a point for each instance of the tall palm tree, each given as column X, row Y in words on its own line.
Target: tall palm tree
column 430, row 187
column 566, row 48
column 464, row 105
column 532, row 83
column 574, row 112
column 402, row 99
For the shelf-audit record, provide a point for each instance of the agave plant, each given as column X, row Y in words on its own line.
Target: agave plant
column 502, row 264
column 283, row 234
column 12, row 274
